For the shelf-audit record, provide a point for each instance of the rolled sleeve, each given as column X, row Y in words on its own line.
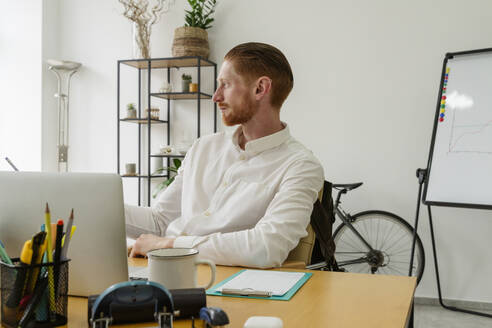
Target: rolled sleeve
column 184, row 242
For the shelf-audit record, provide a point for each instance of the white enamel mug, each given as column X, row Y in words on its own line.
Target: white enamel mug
column 175, row 268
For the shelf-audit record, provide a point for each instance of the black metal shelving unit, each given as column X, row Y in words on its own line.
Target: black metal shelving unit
column 152, row 64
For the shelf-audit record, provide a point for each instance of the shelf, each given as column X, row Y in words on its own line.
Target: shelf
column 144, row 176
column 142, row 120
column 181, row 95
column 168, row 155
column 167, row 62
column 147, row 69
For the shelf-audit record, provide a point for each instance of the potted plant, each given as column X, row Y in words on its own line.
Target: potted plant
column 131, row 111
column 163, row 184
column 185, row 82
column 192, row 39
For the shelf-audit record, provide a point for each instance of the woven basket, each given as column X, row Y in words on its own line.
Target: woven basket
column 190, row 41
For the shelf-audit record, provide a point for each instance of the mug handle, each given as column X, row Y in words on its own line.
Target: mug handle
column 212, row 271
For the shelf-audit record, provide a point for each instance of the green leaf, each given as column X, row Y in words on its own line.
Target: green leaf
column 162, row 169
column 158, row 189
column 177, row 162
column 199, row 15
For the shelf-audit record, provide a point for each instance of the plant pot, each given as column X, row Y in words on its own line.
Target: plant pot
column 131, row 113
column 190, row 41
column 185, row 85
column 193, row 87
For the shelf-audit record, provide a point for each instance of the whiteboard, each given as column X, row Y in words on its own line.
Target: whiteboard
column 460, row 158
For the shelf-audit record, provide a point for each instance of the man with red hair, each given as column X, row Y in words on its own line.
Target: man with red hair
column 243, row 198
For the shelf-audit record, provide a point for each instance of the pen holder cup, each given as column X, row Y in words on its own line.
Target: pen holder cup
column 34, row 295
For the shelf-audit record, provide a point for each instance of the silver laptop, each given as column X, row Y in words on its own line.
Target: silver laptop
column 98, row 247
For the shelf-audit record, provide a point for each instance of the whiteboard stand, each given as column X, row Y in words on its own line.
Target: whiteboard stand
column 422, row 176
column 461, row 144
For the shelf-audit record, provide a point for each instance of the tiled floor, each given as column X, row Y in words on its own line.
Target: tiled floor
column 431, row 316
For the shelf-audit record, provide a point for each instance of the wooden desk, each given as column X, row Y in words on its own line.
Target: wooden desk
column 328, row 299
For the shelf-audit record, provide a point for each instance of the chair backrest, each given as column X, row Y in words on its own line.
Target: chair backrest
column 304, row 250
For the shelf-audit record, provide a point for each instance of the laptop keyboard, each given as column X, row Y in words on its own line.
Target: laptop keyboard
column 138, row 273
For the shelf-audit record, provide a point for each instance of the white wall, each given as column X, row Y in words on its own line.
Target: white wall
column 50, row 50
column 366, row 83
column 20, row 84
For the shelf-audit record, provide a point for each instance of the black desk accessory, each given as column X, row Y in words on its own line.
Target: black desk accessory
column 127, row 295
column 144, row 301
column 214, row 316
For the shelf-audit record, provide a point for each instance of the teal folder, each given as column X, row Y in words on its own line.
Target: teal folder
column 213, row 291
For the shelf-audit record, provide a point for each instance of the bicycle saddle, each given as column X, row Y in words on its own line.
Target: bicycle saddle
column 348, row 186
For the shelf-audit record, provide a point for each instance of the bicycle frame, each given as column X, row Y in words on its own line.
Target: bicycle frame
column 347, row 219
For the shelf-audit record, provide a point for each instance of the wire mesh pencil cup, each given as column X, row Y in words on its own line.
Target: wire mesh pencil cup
column 34, row 294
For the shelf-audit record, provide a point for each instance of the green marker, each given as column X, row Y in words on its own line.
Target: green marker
column 4, row 255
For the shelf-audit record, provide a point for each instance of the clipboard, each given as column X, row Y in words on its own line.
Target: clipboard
column 216, row 290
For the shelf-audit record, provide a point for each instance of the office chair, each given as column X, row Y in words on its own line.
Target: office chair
column 322, row 219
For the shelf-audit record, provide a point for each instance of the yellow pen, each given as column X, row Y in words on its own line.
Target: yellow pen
column 49, row 250
column 26, row 253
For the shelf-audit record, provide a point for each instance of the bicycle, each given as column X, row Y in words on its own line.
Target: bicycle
column 376, row 242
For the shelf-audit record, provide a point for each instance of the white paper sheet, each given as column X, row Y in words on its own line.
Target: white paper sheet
column 276, row 282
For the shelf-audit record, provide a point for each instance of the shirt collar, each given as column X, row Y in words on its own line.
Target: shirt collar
column 264, row 143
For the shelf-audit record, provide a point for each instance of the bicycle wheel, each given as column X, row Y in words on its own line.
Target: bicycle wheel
column 391, row 239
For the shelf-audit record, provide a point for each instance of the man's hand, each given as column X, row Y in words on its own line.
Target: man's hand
column 146, row 243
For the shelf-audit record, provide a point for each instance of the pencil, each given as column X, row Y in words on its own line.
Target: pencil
column 49, row 250
column 68, row 237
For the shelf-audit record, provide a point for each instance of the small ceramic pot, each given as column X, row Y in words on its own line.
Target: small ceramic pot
column 193, row 87
column 166, row 87
column 131, row 168
column 185, row 85
column 131, row 113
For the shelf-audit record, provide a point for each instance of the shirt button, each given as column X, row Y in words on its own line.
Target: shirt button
column 207, row 213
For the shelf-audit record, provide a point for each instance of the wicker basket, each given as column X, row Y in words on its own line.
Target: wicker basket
column 190, row 41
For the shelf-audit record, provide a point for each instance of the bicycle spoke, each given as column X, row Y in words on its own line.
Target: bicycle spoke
column 352, row 246
column 399, row 271
column 351, row 239
column 351, row 252
column 377, row 232
column 389, row 234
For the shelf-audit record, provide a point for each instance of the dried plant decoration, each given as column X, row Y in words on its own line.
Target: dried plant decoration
column 138, row 12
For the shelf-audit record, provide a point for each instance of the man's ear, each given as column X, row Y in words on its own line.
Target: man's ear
column 263, row 87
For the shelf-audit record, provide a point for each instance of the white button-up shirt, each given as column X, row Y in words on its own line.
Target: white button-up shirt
column 237, row 207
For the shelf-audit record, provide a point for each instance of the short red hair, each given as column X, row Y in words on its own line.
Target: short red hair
column 253, row 60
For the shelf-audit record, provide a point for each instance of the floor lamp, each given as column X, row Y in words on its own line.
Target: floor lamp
column 63, row 68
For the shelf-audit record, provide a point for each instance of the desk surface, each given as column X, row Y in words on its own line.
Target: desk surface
column 328, row 299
